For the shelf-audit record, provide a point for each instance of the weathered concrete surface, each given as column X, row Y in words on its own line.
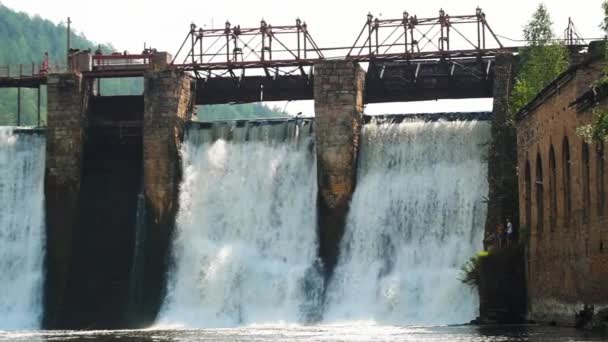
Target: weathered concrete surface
column 66, row 104
column 338, row 93
column 568, row 255
column 167, row 105
column 502, row 290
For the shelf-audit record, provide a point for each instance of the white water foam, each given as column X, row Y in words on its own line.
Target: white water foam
column 416, row 216
column 22, row 233
column 246, row 241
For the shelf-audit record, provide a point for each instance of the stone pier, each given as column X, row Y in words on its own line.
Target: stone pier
column 502, row 155
column 502, row 290
column 338, row 94
column 67, row 99
column 167, row 105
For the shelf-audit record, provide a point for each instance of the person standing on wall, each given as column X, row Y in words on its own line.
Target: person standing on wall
column 500, row 234
column 509, row 231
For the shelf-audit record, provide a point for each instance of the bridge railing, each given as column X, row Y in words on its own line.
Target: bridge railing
column 121, row 61
column 23, row 70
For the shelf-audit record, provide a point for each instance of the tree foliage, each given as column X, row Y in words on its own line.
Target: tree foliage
column 538, row 30
column 597, row 131
column 24, row 40
column 470, row 272
column 604, row 24
column 540, row 62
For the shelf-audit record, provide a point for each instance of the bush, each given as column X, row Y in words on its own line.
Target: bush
column 470, row 273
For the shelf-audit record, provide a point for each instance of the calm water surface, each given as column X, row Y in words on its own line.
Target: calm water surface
column 351, row 332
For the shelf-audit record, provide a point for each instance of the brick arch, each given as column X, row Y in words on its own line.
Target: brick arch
column 600, row 178
column 540, row 192
column 567, row 180
column 552, row 188
column 586, row 180
column 528, row 195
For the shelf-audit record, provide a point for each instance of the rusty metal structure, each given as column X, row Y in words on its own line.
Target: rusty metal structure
column 30, row 76
column 571, row 35
column 410, row 37
column 233, row 48
column 409, row 58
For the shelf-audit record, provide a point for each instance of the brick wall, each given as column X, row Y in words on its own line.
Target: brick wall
column 338, row 94
column 502, row 154
column 567, row 255
column 167, row 105
column 64, row 144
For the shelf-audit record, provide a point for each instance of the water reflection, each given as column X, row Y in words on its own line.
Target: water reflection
column 359, row 332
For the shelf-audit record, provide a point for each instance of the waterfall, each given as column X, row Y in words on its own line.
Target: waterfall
column 245, row 245
column 416, row 216
column 22, row 235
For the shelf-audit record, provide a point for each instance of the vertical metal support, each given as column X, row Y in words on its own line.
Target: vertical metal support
column 412, row 38
column 38, row 104
column 227, row 33
column 369, row 32
column 478, row 14
column 405, row 23
column 447, row 39
column 19, row 97
column 270, row 45
column 377, row 28
column 306, row 38
column 441, row 38
column 200, row 45
column 299, row 30
column 192, row 41
column 263, row 31
column 483, row 33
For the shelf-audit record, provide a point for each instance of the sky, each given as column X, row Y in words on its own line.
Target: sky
column 128, row 24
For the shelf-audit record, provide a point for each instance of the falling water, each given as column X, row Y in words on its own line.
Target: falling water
column 22, row 237
column 245, row 246
column 416, row 216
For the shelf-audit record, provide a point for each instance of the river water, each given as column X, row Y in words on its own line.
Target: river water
column 354, row 331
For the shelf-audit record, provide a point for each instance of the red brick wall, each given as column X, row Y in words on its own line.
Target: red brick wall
column 568, row 258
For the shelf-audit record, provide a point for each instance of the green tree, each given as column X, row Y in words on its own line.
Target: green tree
column 604, row 24
column 540, row 62
column 597, row 131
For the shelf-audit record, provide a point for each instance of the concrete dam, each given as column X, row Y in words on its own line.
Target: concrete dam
column 140, row 216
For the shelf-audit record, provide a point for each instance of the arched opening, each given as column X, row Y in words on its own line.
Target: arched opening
column 540, row 207
column 585, row 183
column 552, row 189
column 567, row 181
column 599, row 164
column 528, row 195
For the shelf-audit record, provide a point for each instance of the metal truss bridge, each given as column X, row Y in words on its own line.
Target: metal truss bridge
column 408, row 58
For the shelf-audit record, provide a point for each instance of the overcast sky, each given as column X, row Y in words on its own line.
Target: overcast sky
column 127, row 24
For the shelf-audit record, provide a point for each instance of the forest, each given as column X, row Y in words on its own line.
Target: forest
column 26, row 38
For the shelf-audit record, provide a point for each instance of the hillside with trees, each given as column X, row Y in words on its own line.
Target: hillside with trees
column 25, row 38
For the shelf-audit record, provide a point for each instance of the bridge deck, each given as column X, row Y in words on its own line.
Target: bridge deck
column 23, row 81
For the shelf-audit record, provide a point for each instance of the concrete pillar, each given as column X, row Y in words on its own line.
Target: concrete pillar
column 167, row 105
column 67, row 100
column 338, row 94
column 502, row 155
